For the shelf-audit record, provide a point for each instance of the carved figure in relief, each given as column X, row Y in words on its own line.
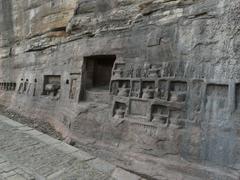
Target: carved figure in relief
column 153, row 71
column 136, row 90
column 53, row 88
column 148, row 93
column 119, row 113
column 160, row 93
column 123, row 91
column 138, row 72
column 146, row 68
column 130, row 71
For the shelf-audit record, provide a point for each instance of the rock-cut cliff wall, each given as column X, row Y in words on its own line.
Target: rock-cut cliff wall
column 151, row 85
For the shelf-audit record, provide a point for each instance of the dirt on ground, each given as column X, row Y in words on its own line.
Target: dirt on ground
column 40, row 125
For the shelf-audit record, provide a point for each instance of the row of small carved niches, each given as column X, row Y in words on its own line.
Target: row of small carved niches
column 178, row 69
column 149, row 113
column 163, row 89
column 203, row 97
column 8, row 86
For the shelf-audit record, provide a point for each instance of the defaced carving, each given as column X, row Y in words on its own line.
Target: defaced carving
column 130, row 71
column 120, row 112
column 160, row 115
column 52, row 89
column 138, row 72
column 124, row 90
column 136, row 89
column 148, row 92
column 146, row 68
column 160, row 120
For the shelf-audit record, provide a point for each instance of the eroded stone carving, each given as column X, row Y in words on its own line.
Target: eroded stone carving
column 73, row 88
column 119, row 110
column 8, row 86
column 160, row 115
column 52, row 85
column 178, row 91
column 148, row 92
column 123, row 90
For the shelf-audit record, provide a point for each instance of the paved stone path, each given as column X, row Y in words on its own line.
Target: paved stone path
column 27, row 154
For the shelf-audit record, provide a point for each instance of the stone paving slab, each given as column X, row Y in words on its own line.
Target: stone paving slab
column 27, row 154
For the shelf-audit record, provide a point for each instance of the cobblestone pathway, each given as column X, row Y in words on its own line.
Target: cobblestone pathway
column 26, row 154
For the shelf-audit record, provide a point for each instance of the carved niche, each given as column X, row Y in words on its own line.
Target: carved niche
column 148, row 89
column 119, row 110
column 216, row 103
column 123, row 88
column 178, row 91
column 52, row 85
column 160, row 115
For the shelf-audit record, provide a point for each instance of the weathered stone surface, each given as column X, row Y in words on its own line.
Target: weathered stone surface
column 25, row 157
column 173, row 92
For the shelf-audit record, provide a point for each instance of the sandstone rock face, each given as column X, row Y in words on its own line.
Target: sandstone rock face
column 151, row 85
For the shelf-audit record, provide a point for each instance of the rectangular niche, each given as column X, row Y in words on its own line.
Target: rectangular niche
column 135, row 89
column 216, row 103
column 238, row 96
column 119, row 110
column 139, row 107
column 162, row 90
column 148, row 89
column 123, row 88
column 177, row 91
column 98, row 71
column 51, row 85
column 159, row 114
column 217, row 90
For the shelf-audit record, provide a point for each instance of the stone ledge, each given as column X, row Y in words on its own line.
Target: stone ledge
column 83, row 156
column 65, row 148
column 34, row 133
column 25, row 128
column 46, row 139
column 11, row 122
column 102, row 165
column 120, row 174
